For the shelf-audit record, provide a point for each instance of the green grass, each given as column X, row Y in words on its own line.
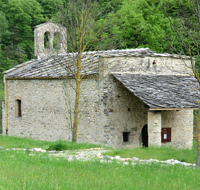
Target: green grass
column 19, row 170
column 25, row 143
column 160, row 153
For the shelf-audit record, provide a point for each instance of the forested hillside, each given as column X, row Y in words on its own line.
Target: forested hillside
column 135, row 24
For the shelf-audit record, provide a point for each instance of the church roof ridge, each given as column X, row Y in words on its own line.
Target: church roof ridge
column 35, row 66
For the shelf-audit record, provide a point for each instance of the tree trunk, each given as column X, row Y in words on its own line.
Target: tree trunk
column 77, row 100
column 198, row 142
column 76, row 110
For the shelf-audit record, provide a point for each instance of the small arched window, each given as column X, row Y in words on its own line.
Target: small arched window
column 56, row 41
column 46, row 39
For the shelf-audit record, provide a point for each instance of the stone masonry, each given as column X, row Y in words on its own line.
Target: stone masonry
column 52, row 30
column 154, row 128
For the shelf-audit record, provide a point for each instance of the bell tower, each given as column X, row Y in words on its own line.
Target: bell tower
column 49, row 38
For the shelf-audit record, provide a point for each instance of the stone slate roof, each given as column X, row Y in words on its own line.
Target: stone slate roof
column 55, row 65
column 162, row 91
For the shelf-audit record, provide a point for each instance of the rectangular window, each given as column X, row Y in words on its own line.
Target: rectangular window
column 126, row 136
column 18, row 108
column 166, row 135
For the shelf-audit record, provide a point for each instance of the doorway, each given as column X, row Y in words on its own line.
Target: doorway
column 145, row 136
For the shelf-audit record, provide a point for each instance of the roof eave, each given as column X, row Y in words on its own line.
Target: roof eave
column 163, row 109
column 19, row 66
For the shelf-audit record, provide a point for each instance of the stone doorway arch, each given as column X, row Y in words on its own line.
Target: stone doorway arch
column 145, row 136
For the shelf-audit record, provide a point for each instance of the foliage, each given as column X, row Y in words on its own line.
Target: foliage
column 3, row 25
column 184, row 23
column 49, row 8
column 142, row 24
column 186, row 26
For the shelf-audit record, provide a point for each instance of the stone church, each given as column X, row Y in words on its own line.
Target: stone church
column 135, row 97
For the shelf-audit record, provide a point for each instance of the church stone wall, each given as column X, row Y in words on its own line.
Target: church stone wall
column 181, row 121
column 181, row 124
column 106, row 111
column 124, row 113
column 147, row 65
column 43, row 113
column 44, row 110
column 107, row 108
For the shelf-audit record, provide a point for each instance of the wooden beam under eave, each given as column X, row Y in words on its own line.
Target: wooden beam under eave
column 160, row 109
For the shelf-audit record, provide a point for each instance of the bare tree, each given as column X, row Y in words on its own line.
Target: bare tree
column 88, row 31
column 185, row 22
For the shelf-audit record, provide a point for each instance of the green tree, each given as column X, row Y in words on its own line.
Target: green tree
column 141, row 23
column 3, row 26
column 184, row 20
column 50, row 7
column 22, row 15
column 3, row 31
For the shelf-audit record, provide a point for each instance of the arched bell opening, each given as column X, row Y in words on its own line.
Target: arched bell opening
column 46, row 40
column 145, row 136
column 57, row 41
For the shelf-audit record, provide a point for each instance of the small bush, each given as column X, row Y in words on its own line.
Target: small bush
column 66, row 145
column 59, row 146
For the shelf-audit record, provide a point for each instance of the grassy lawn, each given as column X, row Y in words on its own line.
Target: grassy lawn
column 19, row 170
column 160, row 153
column 25, row 143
